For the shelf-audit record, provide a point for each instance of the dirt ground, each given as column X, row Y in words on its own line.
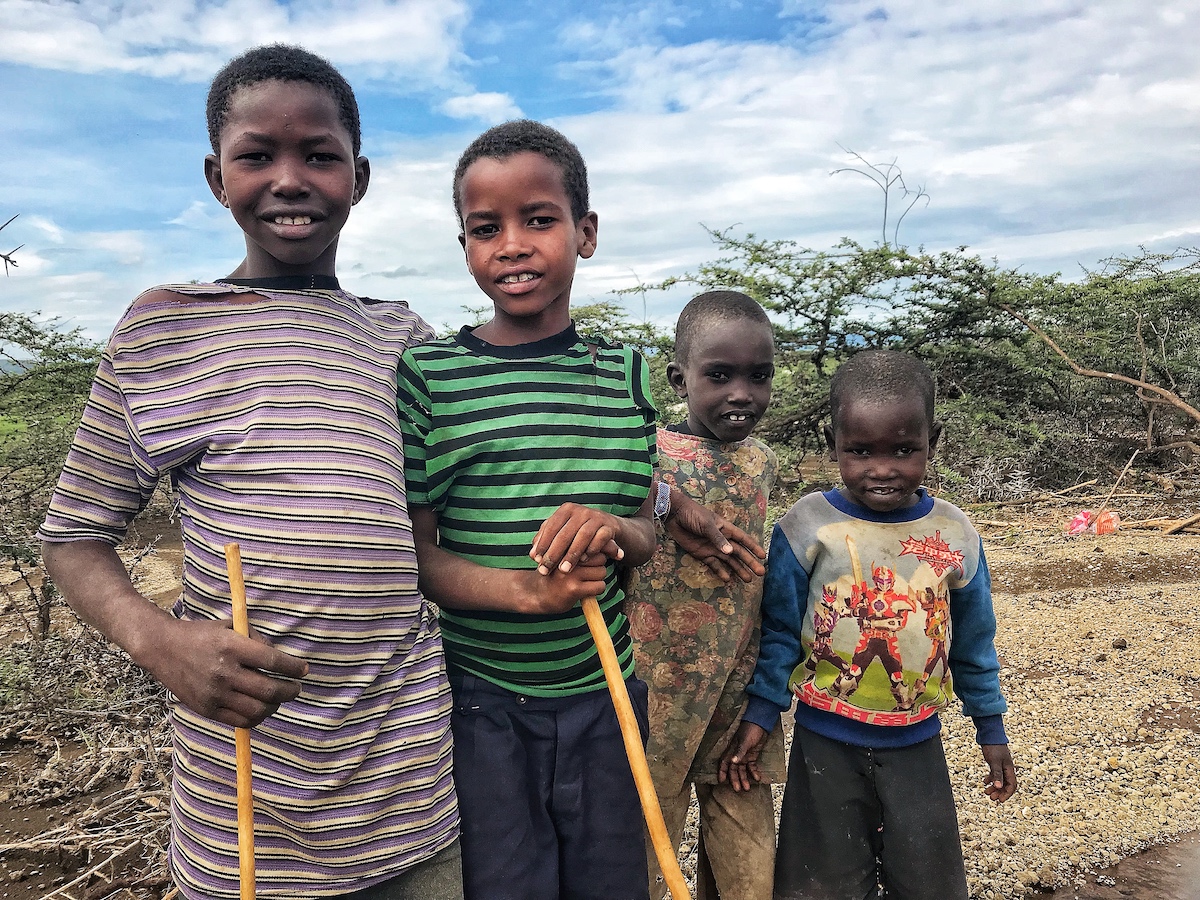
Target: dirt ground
column 1098, row 648
column 1100, row 666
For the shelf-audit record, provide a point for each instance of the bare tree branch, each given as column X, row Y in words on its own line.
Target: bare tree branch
column 886, row 177
column 1168, row 396
column 8, row 257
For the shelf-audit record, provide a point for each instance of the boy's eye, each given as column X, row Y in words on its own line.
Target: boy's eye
column 905, row 451
column 719, row 377
column 760, row 377
column 254, row 156
column 323, row 157
column 541, row 221
column 483, row 231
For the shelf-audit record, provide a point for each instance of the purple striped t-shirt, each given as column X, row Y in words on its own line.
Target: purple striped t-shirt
column 274, row 412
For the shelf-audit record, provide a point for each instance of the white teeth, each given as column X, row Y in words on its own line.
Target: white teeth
column 513, row 279
column 293, row 220
column 737, row 417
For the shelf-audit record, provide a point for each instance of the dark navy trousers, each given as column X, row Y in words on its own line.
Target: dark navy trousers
column 547, row 800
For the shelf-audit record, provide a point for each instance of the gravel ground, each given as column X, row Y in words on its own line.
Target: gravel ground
column 1102, row 676
column 1101, row 670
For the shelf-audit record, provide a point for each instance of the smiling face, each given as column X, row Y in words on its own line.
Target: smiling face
column 882, row 448
column 726, row 378
column 521, row 244
column 287, row 172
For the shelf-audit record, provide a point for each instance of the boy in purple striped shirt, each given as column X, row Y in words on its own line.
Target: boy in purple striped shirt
column 269, row 399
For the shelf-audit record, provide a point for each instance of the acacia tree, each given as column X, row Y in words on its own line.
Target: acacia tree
column 45, row 375
column 1130, row 333
column 1014, row 408
column 831, row 304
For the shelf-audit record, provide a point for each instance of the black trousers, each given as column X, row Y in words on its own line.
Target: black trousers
column 548, row 805
column 854, row 818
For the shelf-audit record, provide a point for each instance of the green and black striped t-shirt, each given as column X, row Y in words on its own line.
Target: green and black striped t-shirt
column 496, row 439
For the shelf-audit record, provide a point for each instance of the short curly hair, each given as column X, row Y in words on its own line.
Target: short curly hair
column 527, row 136
column 710, row 307
column 279, row 62
column 881, row 375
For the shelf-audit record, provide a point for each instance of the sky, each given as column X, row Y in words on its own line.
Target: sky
column 1046, row 134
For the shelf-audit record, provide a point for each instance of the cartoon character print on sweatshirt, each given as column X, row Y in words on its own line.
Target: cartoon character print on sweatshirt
column 861, row 626
column 882, row 613
column 936, row 607
column 825, row 618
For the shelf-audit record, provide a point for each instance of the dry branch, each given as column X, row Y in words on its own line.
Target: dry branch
column 1166, row 396
column 1180, row 526
column 8, row 257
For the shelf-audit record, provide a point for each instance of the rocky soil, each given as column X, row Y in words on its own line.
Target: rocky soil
column 1098, row 636
column 1101, row 668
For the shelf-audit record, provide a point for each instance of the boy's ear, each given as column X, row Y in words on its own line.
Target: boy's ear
column 935, row 432
column 676, row 380
column 362, row 177
column 462, row 242
column 830, row 442
column 585, row 230
column 212, row 174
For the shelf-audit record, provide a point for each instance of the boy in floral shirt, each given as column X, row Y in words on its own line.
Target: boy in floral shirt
column 697, row 635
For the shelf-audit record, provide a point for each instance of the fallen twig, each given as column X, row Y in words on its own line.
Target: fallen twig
column 94, row 870
column 1116, row 484
column 1047, row 498
column 1180, row 526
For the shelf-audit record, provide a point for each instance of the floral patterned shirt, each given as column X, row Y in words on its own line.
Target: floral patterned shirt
column 697, row 637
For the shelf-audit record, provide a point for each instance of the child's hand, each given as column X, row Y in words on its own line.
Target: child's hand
column 739, row 762
column 557, row 591
column 714, row 540
column 573, row 532
column 1001, row 780
column 222, row 675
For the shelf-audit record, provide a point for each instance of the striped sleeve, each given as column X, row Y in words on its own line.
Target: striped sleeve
column 412, row 401
column 107, row 477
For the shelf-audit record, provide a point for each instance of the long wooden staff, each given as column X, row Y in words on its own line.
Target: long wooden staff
column 667, row 861
column 245, row 784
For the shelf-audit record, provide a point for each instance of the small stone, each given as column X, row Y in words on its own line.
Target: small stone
column 1120, row 644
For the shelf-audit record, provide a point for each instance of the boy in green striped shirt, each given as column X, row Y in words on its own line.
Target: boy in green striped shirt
column 521, row 434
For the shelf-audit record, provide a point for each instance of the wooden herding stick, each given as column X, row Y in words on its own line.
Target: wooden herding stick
column 245, row 784
column 632, row 736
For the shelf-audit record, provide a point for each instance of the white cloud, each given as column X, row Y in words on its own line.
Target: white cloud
column 622, row 26
column 48, row 229
column 1049, row 134
column 201, row 215
column 190, row 39
column 1020, row 118
column 128, row 248
column 491, row 108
